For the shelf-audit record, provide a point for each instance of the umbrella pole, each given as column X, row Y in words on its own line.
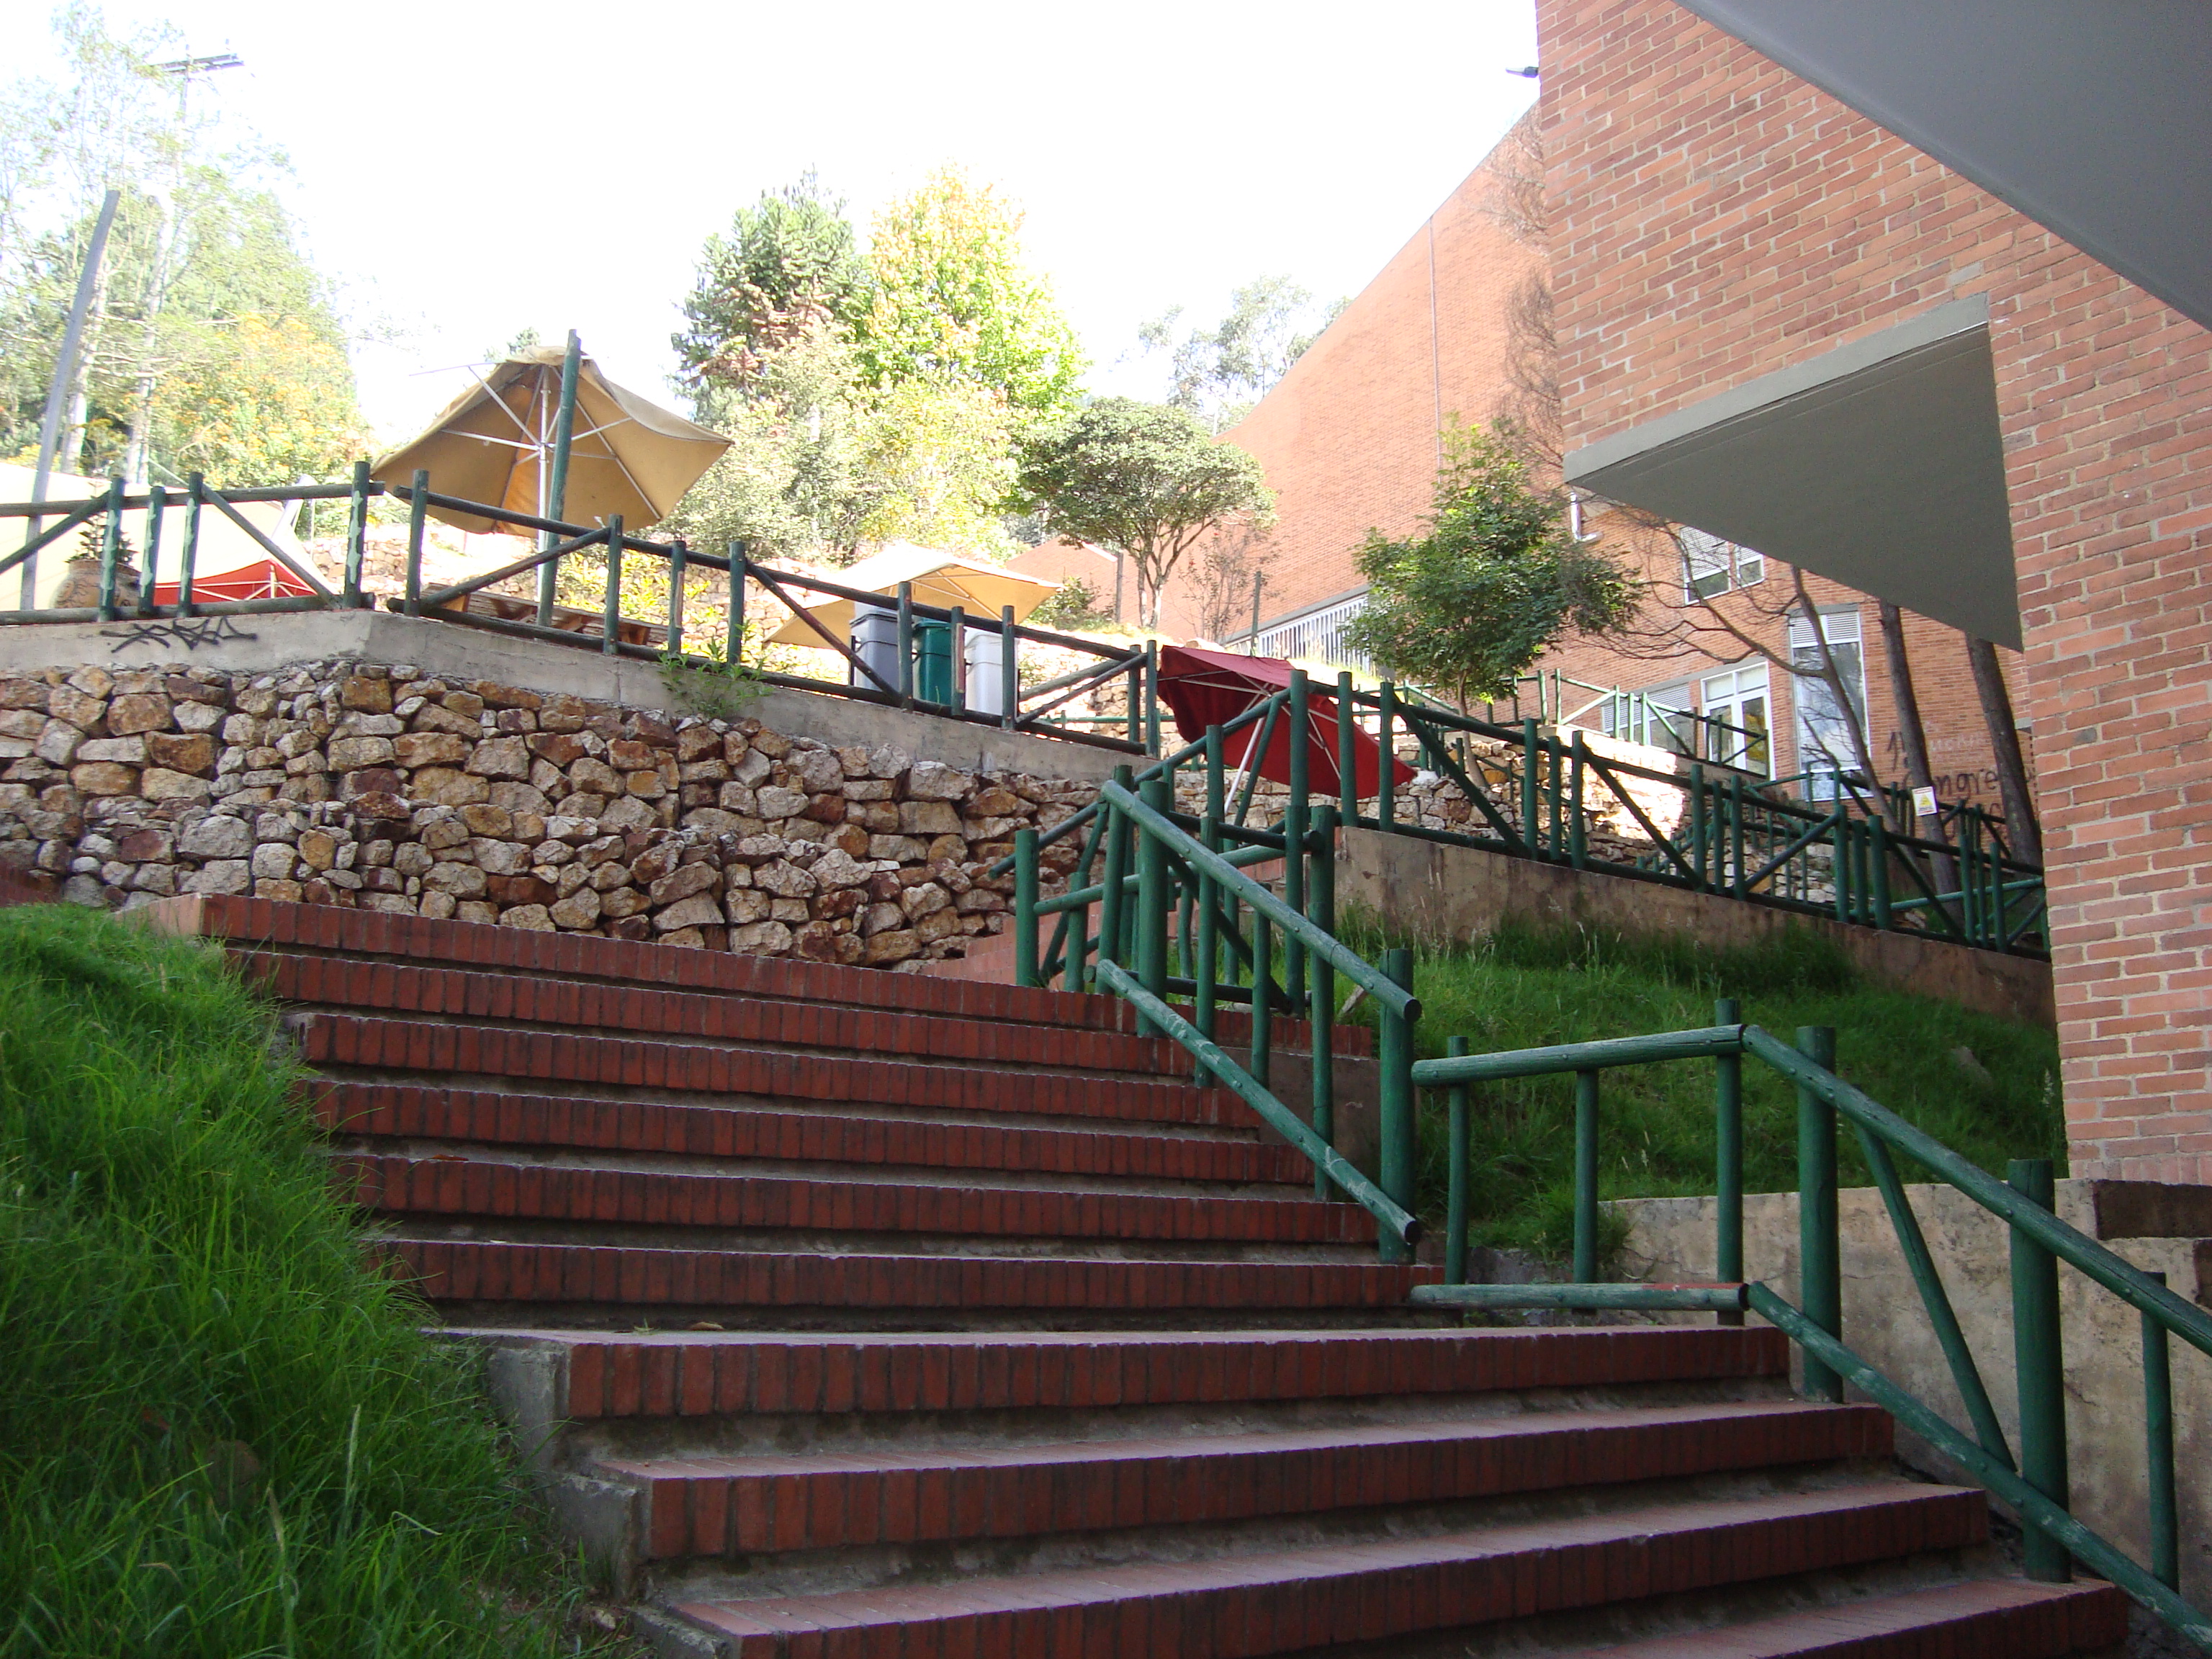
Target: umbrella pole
column 556, row 485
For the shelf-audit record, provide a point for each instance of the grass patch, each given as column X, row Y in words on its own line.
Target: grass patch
column 221, row 1435
column 1527, row 988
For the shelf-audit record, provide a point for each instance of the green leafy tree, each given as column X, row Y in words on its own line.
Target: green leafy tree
column 1147, row 480
column 212, row 344
column 1467, row 607
column 1218, row 373
column 954, row 300
column 790, row 265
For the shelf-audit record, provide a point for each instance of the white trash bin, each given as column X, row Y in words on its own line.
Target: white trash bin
column 986, row 660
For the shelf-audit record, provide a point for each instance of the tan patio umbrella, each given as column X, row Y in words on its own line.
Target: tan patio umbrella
column 498, row 442
column 939, row 578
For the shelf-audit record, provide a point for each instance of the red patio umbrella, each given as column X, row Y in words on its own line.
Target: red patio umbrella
column 1213, row 687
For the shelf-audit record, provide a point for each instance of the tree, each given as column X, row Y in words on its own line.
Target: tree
column 213, row 344
column 953, row 300
column 2024, row 831
column 1218, row 373
column 1145, row 480
column 1469, row 605
column 790, row 264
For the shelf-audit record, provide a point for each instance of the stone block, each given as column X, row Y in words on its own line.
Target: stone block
column 127, row 751
column 104, row 777
column 348, row 753
column 194, row 752
column 500, row 757
column 895, row 945
column 419, row 749
column 138, row 712
column 369, row 696
column 159, row 783
column 222, row 876
column 697, row 910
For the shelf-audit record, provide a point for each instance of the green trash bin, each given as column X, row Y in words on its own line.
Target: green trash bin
column 932, row 660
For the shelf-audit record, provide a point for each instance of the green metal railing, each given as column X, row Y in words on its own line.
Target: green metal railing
column 1180, row 913
column 2036, row 1485
column 1131, row 673
column 1534, row 795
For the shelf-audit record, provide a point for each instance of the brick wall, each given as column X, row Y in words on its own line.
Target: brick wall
column 1715, row 218
column 1349, row 436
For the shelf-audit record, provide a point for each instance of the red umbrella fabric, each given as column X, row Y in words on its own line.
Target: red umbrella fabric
column 1213, row 687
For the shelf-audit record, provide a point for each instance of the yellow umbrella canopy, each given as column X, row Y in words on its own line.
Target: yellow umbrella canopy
column 495, row 443
column 939, row 578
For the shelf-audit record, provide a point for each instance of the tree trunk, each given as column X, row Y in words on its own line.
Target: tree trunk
column 1913, row 735
column 1833, row 675
column 2023, row 833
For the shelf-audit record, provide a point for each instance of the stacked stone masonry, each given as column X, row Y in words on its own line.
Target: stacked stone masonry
column 370, row 786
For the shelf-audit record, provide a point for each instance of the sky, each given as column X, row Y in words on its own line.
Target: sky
column 465, row 169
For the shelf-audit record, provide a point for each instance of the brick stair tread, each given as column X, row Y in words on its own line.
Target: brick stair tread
column 1226, row 1607
column 509, row 1117
column 695, row 1016
column 422, row 1045
column 473, row 1270
column 701, row 1373
column 267, row 922
column 2007, row 1617
column 705, row 1505
column 458, row 1185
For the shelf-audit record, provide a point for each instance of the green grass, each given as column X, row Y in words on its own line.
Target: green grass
column 221, row 1435
column 1524, row 989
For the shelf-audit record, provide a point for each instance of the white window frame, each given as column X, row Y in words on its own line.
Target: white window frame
column 1744, row 681
column 1706, row 556
column 1845, row 632
column 1630, row 716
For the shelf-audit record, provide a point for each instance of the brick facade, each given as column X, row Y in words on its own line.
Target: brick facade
column 1715, row 218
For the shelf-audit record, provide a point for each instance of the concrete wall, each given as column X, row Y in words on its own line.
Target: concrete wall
column 1453, row 894
column 442, row 649
column 1671, row 1240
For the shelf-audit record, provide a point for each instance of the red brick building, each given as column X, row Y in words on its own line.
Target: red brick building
column 1730, row 242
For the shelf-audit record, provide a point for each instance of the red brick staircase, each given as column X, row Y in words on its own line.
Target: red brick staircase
column 860, row 1316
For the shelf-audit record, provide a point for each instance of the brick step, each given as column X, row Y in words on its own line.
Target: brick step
column 589, row 1377
column 704, row 1505
column 411, row 1045
column 454, row 993
column 463, row 1186
column 1229, row 1606
column 2003, row 1618
column 498, row 1117
column 463, row 1270
column 271, row 924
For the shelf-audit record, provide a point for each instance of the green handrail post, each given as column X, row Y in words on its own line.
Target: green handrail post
column 111, row 547
column 1134, row 681
column 2039, row 1361
column 1458, row 1175
column 418, row 510
column 1010, row 669
column 1555, row 754
column 1321, row 909
column 1578, row 831
column 156, row 499
column 1111, row 900
column 1152, row 699
column 1839, row 856
column 956, row 643
column 1386, row 790
column 677, row 549
column 611, row 615
column 2158, row 1451
column 195, row 498
column 1395, row 1051
column 1735, row 836
column 556, row 475
column 1347, row 751
column 734, row 646
column 1206, row 965
column 357, row 550
column 1531, row 821
column 1727, row 1159
column 1025, row 902
column 1586, row 1177
column 1878, row 856
column 1153, row 902
column 1294, row 838
column 1263, row 1002
column 1820, row 1251
column 1700, row 859
column 906, row 645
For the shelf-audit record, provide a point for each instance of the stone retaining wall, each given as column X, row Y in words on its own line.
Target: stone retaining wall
column 358, row 784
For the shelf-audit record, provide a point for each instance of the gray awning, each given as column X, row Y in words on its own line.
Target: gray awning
column 2094, row 117
column 1878, row 464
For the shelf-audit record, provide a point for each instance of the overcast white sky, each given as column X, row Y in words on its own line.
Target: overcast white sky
column 467, row 169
